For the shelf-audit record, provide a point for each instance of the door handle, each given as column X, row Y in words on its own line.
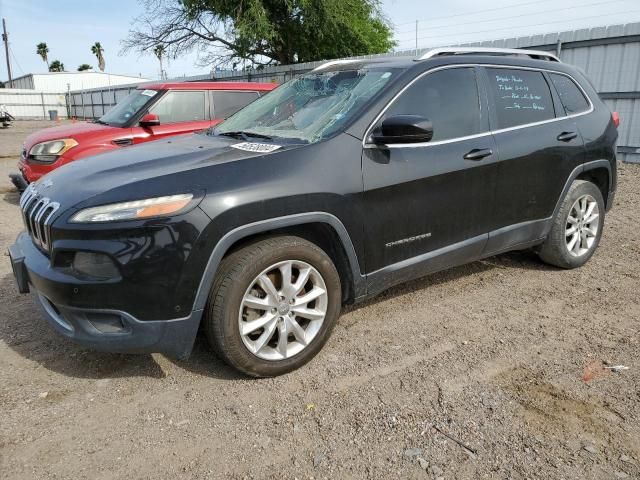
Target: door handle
column 478, row 154
column 567, row 136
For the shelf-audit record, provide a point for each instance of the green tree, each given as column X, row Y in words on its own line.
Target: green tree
column 84, row 67
column 262, row 31
column 98, row 51
column 43, row 51
column 56, row 66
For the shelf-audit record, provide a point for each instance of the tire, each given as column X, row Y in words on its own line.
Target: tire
column 237, row 290
column 556, row 248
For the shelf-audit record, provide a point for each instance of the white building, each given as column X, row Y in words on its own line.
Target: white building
column 60, row 82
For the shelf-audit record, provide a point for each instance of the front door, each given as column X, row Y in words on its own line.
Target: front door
column 428, row 205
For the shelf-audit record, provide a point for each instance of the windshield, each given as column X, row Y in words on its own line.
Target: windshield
column 308, row 108
column 127, row 107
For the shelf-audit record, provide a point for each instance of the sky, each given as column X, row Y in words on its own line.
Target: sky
column 70, row 27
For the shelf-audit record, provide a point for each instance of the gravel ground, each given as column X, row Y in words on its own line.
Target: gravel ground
column 476, row 372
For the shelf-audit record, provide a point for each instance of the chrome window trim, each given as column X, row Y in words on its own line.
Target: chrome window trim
column 366, row 144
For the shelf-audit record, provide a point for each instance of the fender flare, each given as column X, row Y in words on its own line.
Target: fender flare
column 585, row 167
column 244, row 231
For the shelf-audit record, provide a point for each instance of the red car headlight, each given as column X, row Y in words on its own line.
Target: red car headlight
column 51, row 150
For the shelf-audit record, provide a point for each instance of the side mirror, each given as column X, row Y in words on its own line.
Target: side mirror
column 149, row 120
column 403, row 129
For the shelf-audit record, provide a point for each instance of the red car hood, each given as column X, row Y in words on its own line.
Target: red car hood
column 78, row 131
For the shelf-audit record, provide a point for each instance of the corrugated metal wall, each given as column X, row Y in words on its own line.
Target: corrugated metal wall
column 26, row 104
column 21, row 82
column 55, row 82
column 609, row 55
column 96, row 102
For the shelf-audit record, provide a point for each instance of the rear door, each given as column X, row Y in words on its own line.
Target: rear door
column 428, row 206
column 179, row 111
column 225, row 103
column 538, row 145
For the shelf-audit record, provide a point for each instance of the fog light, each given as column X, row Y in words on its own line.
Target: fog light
column 97, row 265
column 106, row 322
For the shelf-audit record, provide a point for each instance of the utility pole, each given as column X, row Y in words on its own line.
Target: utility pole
column 416, row 37
column 5, row 38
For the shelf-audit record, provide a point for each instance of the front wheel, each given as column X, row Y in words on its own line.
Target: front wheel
column 577, row 227
column 273, row 305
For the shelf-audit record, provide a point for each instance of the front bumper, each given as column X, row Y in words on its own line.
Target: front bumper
column 34, row 171
column 99, row 329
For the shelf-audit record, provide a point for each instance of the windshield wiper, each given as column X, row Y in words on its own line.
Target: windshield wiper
column 243, row 133
column 102, row 122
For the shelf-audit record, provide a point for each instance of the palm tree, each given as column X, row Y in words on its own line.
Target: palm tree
column 56, row 66
column 43, row 50
column 97, row 50
column 159, row 52
column 84, row 66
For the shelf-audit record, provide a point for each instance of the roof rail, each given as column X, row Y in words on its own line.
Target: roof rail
column 334, row 62
column 537, row 54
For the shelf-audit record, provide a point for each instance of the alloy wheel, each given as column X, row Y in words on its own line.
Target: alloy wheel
column 582, row 226
column 283, row 310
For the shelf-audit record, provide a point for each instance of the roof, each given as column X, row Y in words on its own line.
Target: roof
column 252, row 86
column 520, row 58
column 84, row 72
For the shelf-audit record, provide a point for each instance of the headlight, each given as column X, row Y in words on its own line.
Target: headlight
column 134, row 210
column 50, row 151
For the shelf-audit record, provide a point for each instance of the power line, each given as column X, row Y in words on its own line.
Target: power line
column 445, row 17
column 527, row 26
column 13, row 55
column 412, row 31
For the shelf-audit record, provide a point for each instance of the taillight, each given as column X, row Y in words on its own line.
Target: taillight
column 616, row 119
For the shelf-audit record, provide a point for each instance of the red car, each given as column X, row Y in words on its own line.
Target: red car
column 150, row 112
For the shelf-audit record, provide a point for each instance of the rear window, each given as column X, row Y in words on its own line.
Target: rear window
column 571, row 96
column 181, row 106
column 520, row 96
column 226, row 104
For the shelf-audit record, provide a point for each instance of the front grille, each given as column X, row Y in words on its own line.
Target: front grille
column 37, row 213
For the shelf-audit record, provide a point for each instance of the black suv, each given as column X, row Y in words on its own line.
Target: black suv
column 333, row 187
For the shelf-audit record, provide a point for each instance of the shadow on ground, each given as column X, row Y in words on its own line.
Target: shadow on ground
column 11, row 195
column 525, row 259
column 24, row 329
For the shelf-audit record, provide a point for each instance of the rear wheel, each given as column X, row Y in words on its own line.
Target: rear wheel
column 273, row 305
column 577, row 227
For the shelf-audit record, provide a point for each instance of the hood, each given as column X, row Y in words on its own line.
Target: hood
column 162, row 167
column 74, row 130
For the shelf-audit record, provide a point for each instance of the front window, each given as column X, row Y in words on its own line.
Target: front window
column 448, row 98
column 128, row 107
column 309, row 108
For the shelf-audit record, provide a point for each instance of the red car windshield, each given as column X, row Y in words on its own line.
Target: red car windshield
column 126, row 108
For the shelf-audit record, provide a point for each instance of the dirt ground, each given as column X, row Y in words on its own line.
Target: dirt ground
column 476, row 372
